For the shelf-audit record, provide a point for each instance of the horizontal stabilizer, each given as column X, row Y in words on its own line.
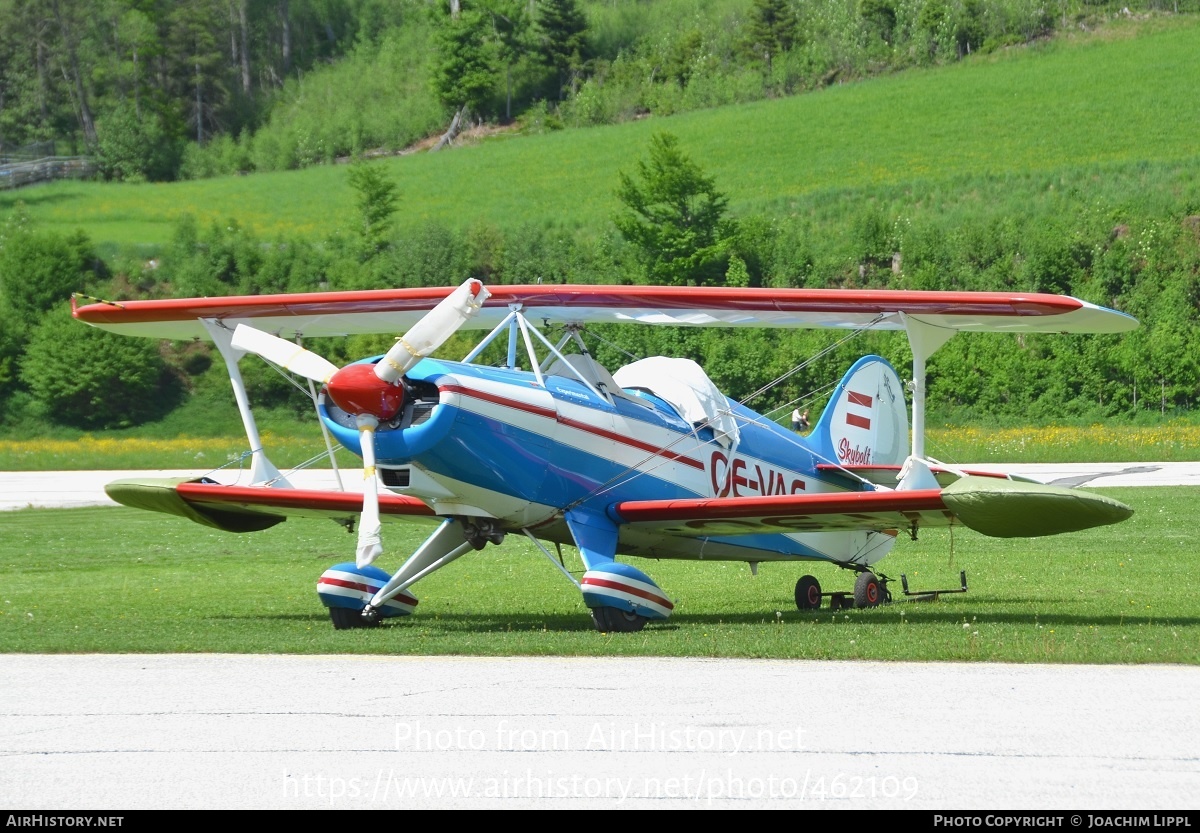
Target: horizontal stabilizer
column 1009, row 509
column 889, row 476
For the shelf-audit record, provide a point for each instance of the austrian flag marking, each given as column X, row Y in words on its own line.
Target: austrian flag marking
column 863, row 400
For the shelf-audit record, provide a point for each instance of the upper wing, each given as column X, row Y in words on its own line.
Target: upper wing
column 990, row 505
column 251, row 508
column 395, row 310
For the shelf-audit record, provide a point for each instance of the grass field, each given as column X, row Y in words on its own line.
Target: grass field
column 118, row 580
column 1077, row 109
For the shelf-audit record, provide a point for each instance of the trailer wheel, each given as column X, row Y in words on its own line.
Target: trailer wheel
column 867, row 592
column 808, row 593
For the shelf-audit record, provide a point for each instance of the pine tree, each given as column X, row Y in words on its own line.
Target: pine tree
column 675, row 216
column 771, row 30
column 375, row 197
column 563, row 44
column 465, row 70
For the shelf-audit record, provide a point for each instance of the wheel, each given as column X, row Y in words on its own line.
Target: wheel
column 345, row 618
column 615, row 620
column 808, row 593
column 867, row 592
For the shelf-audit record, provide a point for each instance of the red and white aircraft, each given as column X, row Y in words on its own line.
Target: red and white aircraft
column 650, row 460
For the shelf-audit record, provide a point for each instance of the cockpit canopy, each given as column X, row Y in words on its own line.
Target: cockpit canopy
column 686, row 386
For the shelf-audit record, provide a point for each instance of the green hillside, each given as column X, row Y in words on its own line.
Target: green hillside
column 1085, row 104
column 1070, row 167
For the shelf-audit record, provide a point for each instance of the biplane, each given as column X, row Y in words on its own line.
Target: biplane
column 648, row 460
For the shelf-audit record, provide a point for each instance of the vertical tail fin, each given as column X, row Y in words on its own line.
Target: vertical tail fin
column 866, row 420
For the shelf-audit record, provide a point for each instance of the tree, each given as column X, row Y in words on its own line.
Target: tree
column 881, row 16
column 375, row 197
column 563, row 44
column 510, row 30
column 772, row 29
column 132, row 149
column 13, row 337
column 465, row 67
column 70, row 17
column 92, row 378
column 675, row 216
column 199, row 67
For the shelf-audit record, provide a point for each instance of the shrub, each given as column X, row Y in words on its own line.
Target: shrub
column 90, row 378
column 39, row 269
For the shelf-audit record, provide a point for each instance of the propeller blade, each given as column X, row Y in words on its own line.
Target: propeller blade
column 432, row 330
column 286, row 354
column 370, row 544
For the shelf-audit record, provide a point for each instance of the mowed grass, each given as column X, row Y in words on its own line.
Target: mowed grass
column 118, row 580
column 1089, row 104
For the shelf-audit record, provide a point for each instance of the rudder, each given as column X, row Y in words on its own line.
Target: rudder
column 866, row 420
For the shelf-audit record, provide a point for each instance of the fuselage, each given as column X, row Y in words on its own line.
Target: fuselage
column 486, row 442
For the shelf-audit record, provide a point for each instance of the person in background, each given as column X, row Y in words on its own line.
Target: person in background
column 800, row 420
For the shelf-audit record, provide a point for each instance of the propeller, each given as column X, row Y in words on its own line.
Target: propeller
column 370, row 393
column 288, row 355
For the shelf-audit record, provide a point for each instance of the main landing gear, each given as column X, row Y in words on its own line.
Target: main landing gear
column 345, row 618
column 869, row 591
column 615, row 620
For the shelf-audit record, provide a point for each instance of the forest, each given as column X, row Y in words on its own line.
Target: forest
column 163, row 89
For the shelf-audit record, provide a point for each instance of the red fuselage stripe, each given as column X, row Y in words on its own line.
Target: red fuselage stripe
column 547, row 413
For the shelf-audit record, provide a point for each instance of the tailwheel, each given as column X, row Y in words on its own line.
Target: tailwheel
column 868, row 592
column 808, row 593
column 615, row 620
column 345, row 618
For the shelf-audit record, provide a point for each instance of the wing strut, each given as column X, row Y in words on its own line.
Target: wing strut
column 262, row 470
column 518, row 325
column 550, row 558
column 924, row 339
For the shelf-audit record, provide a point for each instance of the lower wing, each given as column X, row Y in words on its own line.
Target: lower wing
column 990, row 505
column 251, row 508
